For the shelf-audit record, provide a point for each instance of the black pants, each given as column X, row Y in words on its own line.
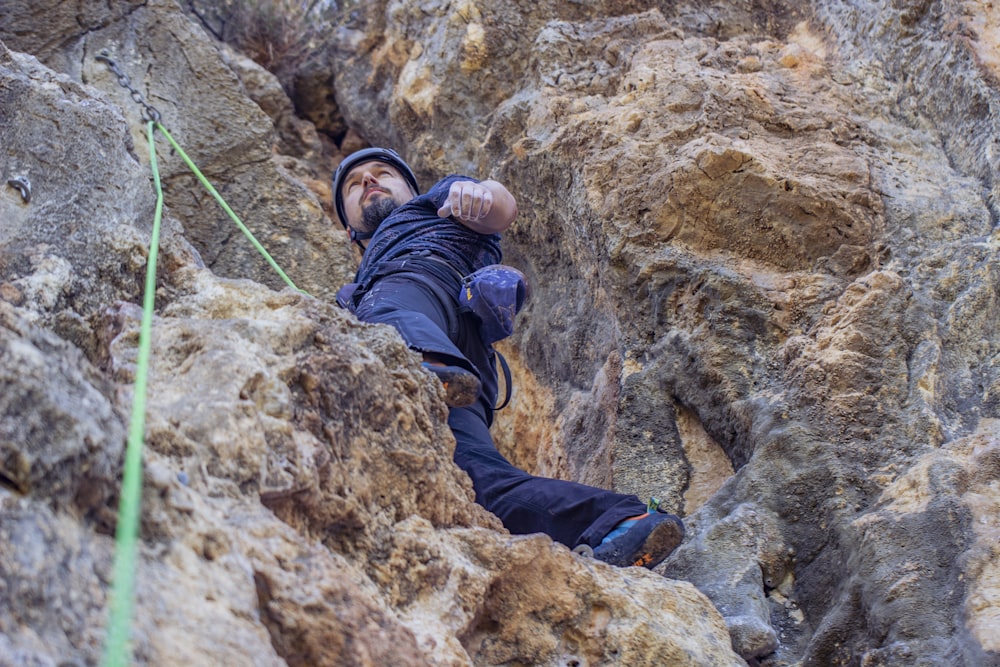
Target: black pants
column 421, row 308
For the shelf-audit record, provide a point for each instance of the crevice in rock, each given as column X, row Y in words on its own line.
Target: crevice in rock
column 274, row 629
column 710, row 466
column 10, row 484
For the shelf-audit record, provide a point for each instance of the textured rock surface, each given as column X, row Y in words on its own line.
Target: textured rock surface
column 761, row 239
column 221, row 123
column 300, row 505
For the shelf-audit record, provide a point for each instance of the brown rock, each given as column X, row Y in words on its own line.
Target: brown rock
column 761, row 240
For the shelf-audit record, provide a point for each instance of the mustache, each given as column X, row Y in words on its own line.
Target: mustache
column 373, row 188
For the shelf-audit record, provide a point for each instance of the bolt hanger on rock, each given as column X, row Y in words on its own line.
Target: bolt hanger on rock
column 22, row 185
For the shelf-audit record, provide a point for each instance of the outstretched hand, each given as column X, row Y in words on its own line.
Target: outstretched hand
column 485, row 207
column 467, row 201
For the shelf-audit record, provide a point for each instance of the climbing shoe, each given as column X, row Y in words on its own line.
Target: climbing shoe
column 461, row 388
column 641, row 541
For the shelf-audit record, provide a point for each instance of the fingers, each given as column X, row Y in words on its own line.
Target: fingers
column 467, row 201
column 477, row 203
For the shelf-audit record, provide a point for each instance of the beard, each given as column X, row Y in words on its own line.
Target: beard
column 380, row 209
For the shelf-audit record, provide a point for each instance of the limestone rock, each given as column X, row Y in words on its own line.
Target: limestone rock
column 774, row 220
column 208, row 111
column 295, row 459
column 61, row 434
column 761, row 238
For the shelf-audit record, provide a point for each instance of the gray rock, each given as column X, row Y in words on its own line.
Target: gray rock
column 762, row 247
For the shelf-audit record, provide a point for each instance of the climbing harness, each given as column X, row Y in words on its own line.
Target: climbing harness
column 117, row 653
column 507, row 379
column 493, row 295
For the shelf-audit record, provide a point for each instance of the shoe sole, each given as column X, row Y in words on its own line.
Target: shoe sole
column 659, row 544
column 654, row 548
column 461, row 388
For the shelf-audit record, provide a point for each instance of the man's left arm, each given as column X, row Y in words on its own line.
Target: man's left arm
column 486, row 207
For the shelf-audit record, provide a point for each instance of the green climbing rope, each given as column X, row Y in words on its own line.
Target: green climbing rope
column 117, row 652
column 126, row 535
column 225, row 207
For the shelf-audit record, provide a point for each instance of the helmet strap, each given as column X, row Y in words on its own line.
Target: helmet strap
column 357, row 237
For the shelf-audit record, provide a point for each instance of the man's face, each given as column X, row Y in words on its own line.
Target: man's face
column 371, row 191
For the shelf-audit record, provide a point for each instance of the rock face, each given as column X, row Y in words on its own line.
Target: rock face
column 762, row 244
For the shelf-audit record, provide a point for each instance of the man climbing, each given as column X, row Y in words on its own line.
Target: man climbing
column 419, row 249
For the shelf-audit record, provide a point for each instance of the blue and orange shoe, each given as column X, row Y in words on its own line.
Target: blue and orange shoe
column 641, row 541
